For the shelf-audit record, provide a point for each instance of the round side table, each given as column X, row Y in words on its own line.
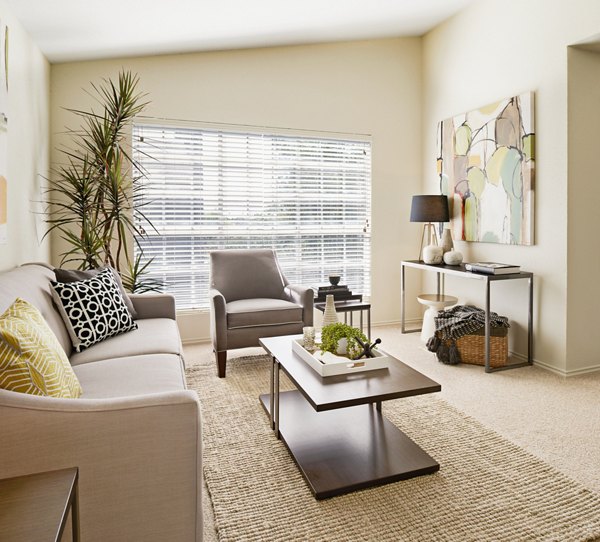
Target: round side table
column 435, row 303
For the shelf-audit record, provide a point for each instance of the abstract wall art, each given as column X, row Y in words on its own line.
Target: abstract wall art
column 3, row 132
column 486, row 166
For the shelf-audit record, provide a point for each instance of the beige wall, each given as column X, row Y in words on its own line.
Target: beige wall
column 583, row 256
column 28, row 146
column 500, row 48
column 369, row 87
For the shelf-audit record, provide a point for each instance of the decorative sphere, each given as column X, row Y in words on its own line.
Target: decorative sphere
column 453, row 258
column 433, row 254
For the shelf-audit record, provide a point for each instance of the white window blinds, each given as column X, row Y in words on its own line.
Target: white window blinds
column 309, row 198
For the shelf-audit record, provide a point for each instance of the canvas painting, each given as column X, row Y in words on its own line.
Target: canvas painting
column 3, row 132
column 486, row 168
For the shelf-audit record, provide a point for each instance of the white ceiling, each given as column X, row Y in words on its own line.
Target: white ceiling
column 68, row 30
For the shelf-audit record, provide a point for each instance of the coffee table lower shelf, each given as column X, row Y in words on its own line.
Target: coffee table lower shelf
column 343, row 450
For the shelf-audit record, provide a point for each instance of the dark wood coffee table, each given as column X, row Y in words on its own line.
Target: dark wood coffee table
column 334, row 428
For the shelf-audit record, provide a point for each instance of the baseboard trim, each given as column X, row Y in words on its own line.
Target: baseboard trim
column 555, row 370
column 195, row 340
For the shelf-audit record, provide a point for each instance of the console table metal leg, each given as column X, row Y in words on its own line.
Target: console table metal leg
column 351, row 318
column 530, row 324
column 487, row 326
column 369, row 323
column 402, row 301
column 378, row 406
column 361, row 320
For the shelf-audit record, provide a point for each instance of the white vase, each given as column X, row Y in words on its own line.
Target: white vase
column 433, row 254
column 329, row 316
column 446, row 240
column 342, row 346
column 453, row 257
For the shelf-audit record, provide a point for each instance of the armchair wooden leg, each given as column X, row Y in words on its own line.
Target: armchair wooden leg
column 221, row 363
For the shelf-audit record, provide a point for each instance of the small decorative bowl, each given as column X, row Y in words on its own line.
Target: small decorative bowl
column 334, row 279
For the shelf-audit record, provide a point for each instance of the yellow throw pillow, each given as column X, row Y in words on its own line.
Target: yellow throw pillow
column 31, row 358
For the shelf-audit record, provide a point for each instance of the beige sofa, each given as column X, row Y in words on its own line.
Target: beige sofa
column 134, row 434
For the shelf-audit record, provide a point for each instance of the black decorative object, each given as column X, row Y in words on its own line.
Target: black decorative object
column 334, row 279
column 367, row 348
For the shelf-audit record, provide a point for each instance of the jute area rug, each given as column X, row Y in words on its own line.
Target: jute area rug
column 487, row 489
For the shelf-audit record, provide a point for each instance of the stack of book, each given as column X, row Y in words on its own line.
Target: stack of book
column 341, row 292
column 492, row 268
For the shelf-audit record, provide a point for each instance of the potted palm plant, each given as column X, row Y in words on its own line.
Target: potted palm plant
column 94, row 194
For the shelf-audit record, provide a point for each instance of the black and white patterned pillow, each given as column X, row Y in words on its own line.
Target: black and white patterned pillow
column 93, row 309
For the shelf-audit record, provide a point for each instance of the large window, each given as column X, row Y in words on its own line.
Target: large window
column 309, row 198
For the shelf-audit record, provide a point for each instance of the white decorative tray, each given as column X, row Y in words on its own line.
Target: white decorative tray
column 328, row 364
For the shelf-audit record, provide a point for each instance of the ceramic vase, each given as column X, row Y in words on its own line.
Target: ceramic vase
column 342, row 347
column 453, row 257
column 446, row 240
column 329, row 316
column 432, row 254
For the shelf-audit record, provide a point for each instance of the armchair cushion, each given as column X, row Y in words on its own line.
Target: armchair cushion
column 246, row 274
column 262, row 312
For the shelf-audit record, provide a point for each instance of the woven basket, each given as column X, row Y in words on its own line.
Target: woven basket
column 472, row 347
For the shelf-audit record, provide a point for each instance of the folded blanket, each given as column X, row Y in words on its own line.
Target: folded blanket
column 456, row 323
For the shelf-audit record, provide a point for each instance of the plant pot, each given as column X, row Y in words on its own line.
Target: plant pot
column 342, row 347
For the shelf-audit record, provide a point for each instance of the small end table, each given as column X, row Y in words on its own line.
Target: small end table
column 350, row 306
column 434, row 303
column 36, row 506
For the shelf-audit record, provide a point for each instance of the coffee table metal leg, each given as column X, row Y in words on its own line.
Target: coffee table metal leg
column 276, row 400
column 272, row 394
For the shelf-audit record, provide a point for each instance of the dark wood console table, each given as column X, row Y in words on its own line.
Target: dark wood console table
column 460, row 271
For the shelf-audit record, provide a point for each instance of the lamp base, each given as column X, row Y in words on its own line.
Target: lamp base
column 432, row 237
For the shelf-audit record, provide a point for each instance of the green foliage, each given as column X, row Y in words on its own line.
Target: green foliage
column 93, row 196
column 331, row 334
column 132, row 280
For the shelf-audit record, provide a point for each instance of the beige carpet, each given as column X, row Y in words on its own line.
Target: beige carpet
column 487, row 488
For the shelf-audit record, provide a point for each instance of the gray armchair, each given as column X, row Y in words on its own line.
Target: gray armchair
column 250, row 298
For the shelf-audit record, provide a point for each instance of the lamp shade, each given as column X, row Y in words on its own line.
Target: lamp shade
column 429, row 209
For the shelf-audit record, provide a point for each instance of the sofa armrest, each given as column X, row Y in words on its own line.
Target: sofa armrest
column 154, row 305
column 303, row 296
column 218, row 320
column 132, row 452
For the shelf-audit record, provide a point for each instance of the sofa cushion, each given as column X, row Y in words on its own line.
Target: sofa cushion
column 32, row 283
column 31, row 358
column 261, row 312
column 129, row 376
column 93, row 309
column 73, row 275
column 153, row 336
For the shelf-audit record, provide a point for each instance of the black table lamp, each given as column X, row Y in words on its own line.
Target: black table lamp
column 429, row 209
